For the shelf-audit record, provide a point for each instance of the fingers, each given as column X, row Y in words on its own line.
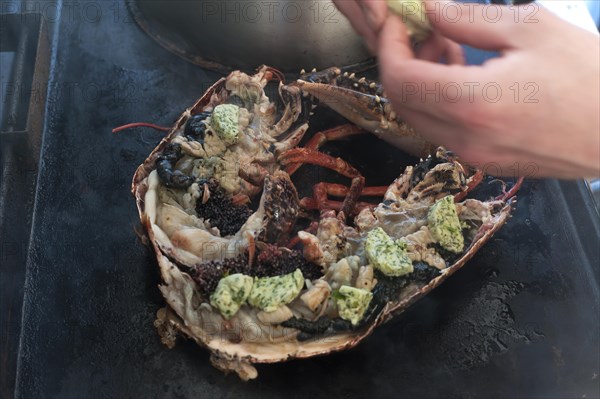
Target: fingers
column 437, row 48
column 400, row 70
column 394, row 41
column 454, row 53
column 375, row 12
column 436, row 130
column 488, row 27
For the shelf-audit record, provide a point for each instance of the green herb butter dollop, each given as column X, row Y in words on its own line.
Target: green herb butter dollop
column 231, row 293
column 445, row 226
column 352, row 303
column 268, row 293
column 225, row 122
column 386, row 254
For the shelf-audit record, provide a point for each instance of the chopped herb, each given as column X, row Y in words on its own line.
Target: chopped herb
column 386, row 254
column 445, row 226
column 268, row 293
column 231, row 293
column 353, row 304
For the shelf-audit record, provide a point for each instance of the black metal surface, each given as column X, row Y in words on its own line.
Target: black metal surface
column 25, row 57
column 520, row 320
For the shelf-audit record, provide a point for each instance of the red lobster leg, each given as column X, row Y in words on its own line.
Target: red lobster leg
column 310, row 156
column 321, row 138
column 476, row 179
column 271, row 73
column 322, row 190
column 311, row 204
column 339, row 190
column 312, row 229
column 313, row 157
column 506, row 195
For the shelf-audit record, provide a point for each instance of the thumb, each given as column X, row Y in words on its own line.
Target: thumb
column 375, row 12
column 487, row 27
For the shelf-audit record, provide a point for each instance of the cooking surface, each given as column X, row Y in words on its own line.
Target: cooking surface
column 519, row 320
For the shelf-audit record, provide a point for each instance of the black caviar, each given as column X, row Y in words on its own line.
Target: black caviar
column 272, row 261
column 220, row 211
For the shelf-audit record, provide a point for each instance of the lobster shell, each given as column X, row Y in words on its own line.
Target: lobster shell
column 231, row 349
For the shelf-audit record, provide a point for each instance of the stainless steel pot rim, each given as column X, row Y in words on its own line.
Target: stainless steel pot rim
column 171, row 41
column 180, row 46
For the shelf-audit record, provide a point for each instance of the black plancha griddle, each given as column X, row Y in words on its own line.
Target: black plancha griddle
column 521, row 319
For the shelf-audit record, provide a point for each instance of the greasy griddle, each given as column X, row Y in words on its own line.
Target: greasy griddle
column 519, row 320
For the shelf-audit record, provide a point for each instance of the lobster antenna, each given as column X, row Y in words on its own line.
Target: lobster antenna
column 140, row 124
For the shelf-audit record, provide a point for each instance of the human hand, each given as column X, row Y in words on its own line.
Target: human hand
column 533, row 111
column 367, row 18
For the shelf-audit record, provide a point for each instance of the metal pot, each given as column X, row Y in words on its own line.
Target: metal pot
column 240, row 34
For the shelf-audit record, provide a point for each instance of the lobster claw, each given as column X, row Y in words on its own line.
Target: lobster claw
column 359, row 101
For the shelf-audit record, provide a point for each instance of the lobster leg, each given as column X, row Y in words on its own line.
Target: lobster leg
column 253, row 173
column 312, row 229
column 322, row 190
column 473, row 182
column 291, row 141
column 313, row 157
column 506, row 195
column 291, row 97
column 310, row 156
column 321, row 138
column 311, row 204
column 270, row 73
column 339, row 190
column 351, row 199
